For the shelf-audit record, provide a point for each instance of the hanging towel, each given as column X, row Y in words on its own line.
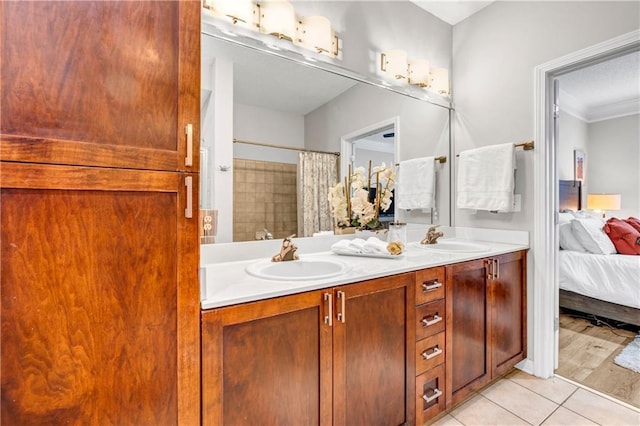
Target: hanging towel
column 416, row 183
column 486, row 178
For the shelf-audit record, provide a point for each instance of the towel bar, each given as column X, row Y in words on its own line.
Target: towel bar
column 442, row 159
column 527, row 146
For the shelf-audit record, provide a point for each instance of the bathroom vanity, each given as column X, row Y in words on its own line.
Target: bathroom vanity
column 392, row 341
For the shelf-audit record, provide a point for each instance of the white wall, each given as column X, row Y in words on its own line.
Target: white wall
column 495, row 52
column 265, row 125
column 423, row 131
column 573, row 135
column 613, row 161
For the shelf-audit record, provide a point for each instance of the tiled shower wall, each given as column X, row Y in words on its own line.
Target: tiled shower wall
column 264, row 196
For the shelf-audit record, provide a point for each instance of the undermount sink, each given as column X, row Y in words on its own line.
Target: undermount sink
column 455, row 246
column 303, row 269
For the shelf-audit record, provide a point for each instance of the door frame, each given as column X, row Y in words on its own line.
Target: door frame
column 346, row 141
column 545, row 235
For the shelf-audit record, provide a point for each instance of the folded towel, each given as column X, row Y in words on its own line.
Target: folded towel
column 416, row 183
column 374, row 245
column 345, row 246
column 486, row 178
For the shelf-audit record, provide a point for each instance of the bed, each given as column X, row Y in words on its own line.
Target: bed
column 602, row 285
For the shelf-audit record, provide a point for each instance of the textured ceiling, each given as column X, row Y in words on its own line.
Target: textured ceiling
column 613, row 85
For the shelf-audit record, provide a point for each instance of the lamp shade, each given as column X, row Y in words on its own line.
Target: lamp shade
column 603, row 201
column 316, row 34
column 278, row 18
column 394, row 63
column 419, row 72
column 236, row 10
column 440, row 80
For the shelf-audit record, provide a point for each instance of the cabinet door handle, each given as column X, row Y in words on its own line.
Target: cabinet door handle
column 431, row 352
column 328, row 319
column 437, row 393
column 496, row 269
column 188, row 211
column 489, row 266
column 436, row 319
column 188, row 130
column 431, row 285
column 342, row 316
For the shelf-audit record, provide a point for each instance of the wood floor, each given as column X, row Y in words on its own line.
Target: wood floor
column 586, row 354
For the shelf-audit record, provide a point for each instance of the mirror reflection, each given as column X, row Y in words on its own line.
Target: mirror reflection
column 296, row 132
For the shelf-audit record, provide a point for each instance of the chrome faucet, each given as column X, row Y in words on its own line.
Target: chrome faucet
column 287, row 251
column 432, row 236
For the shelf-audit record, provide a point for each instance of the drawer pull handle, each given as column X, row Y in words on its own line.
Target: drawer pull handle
column 437, row 393
column 431, row 352
column 188, row 130
column 436, row 319
column 342, row 315
column 431, row 285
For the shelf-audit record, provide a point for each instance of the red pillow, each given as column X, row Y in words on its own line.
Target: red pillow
column 623, row 235
column 634, row 222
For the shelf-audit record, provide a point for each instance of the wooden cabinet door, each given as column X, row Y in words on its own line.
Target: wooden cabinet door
column 507, row 299
column 100, row 83
column 374, row 343
column 268, row 362
column 100, row 297
column 468, row 339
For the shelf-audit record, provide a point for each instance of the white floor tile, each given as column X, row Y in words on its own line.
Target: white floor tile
column 480, row 411
column 564, row 417
column 519, row 400
column 553, row 388
column 447, row 421
column 601, row 410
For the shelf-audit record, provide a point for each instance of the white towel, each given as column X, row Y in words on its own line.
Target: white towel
column 416, row 183
column 374, row 245
column 486, row 178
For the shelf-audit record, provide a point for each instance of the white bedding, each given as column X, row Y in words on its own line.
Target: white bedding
column 613, row 278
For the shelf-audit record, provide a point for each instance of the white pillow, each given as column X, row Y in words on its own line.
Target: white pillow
column 565, row 217
column 590, row 234
column 568, row 241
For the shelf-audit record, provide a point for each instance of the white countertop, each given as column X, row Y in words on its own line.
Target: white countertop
column 226, row 282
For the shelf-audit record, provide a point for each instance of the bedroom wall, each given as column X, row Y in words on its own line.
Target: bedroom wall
column 613, row 159
column 495, row 53
column 573, row 134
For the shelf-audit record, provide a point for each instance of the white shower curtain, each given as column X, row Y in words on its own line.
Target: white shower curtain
column 317, row 172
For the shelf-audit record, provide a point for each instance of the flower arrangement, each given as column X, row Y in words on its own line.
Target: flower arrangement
column 353, row 205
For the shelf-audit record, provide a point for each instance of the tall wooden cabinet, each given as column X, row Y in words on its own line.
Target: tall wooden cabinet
column 336, row 356
column 99, row 179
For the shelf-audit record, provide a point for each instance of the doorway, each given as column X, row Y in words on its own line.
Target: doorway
column 545, row 240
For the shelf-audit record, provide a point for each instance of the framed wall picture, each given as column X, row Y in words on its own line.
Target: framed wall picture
column 579, row 165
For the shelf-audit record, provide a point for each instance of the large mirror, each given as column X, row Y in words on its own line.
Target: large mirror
column 279, row 108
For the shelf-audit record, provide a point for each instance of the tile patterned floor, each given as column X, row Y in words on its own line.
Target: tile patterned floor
column 521, row 399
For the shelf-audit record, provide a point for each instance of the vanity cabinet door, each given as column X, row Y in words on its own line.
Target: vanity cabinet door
column 374, row 344
column 268, row 362
column 467, row 329
column 507, row 299
column 101, row 83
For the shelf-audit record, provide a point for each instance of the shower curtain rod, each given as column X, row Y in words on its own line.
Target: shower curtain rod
column 268, row 145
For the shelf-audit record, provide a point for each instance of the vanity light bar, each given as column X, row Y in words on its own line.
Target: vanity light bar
column 396, row 65
column 277, row 18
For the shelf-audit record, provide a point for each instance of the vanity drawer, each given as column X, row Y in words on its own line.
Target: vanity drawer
column 429, row 353
column 429, row 285
column 430, row 394
column 429, row 319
